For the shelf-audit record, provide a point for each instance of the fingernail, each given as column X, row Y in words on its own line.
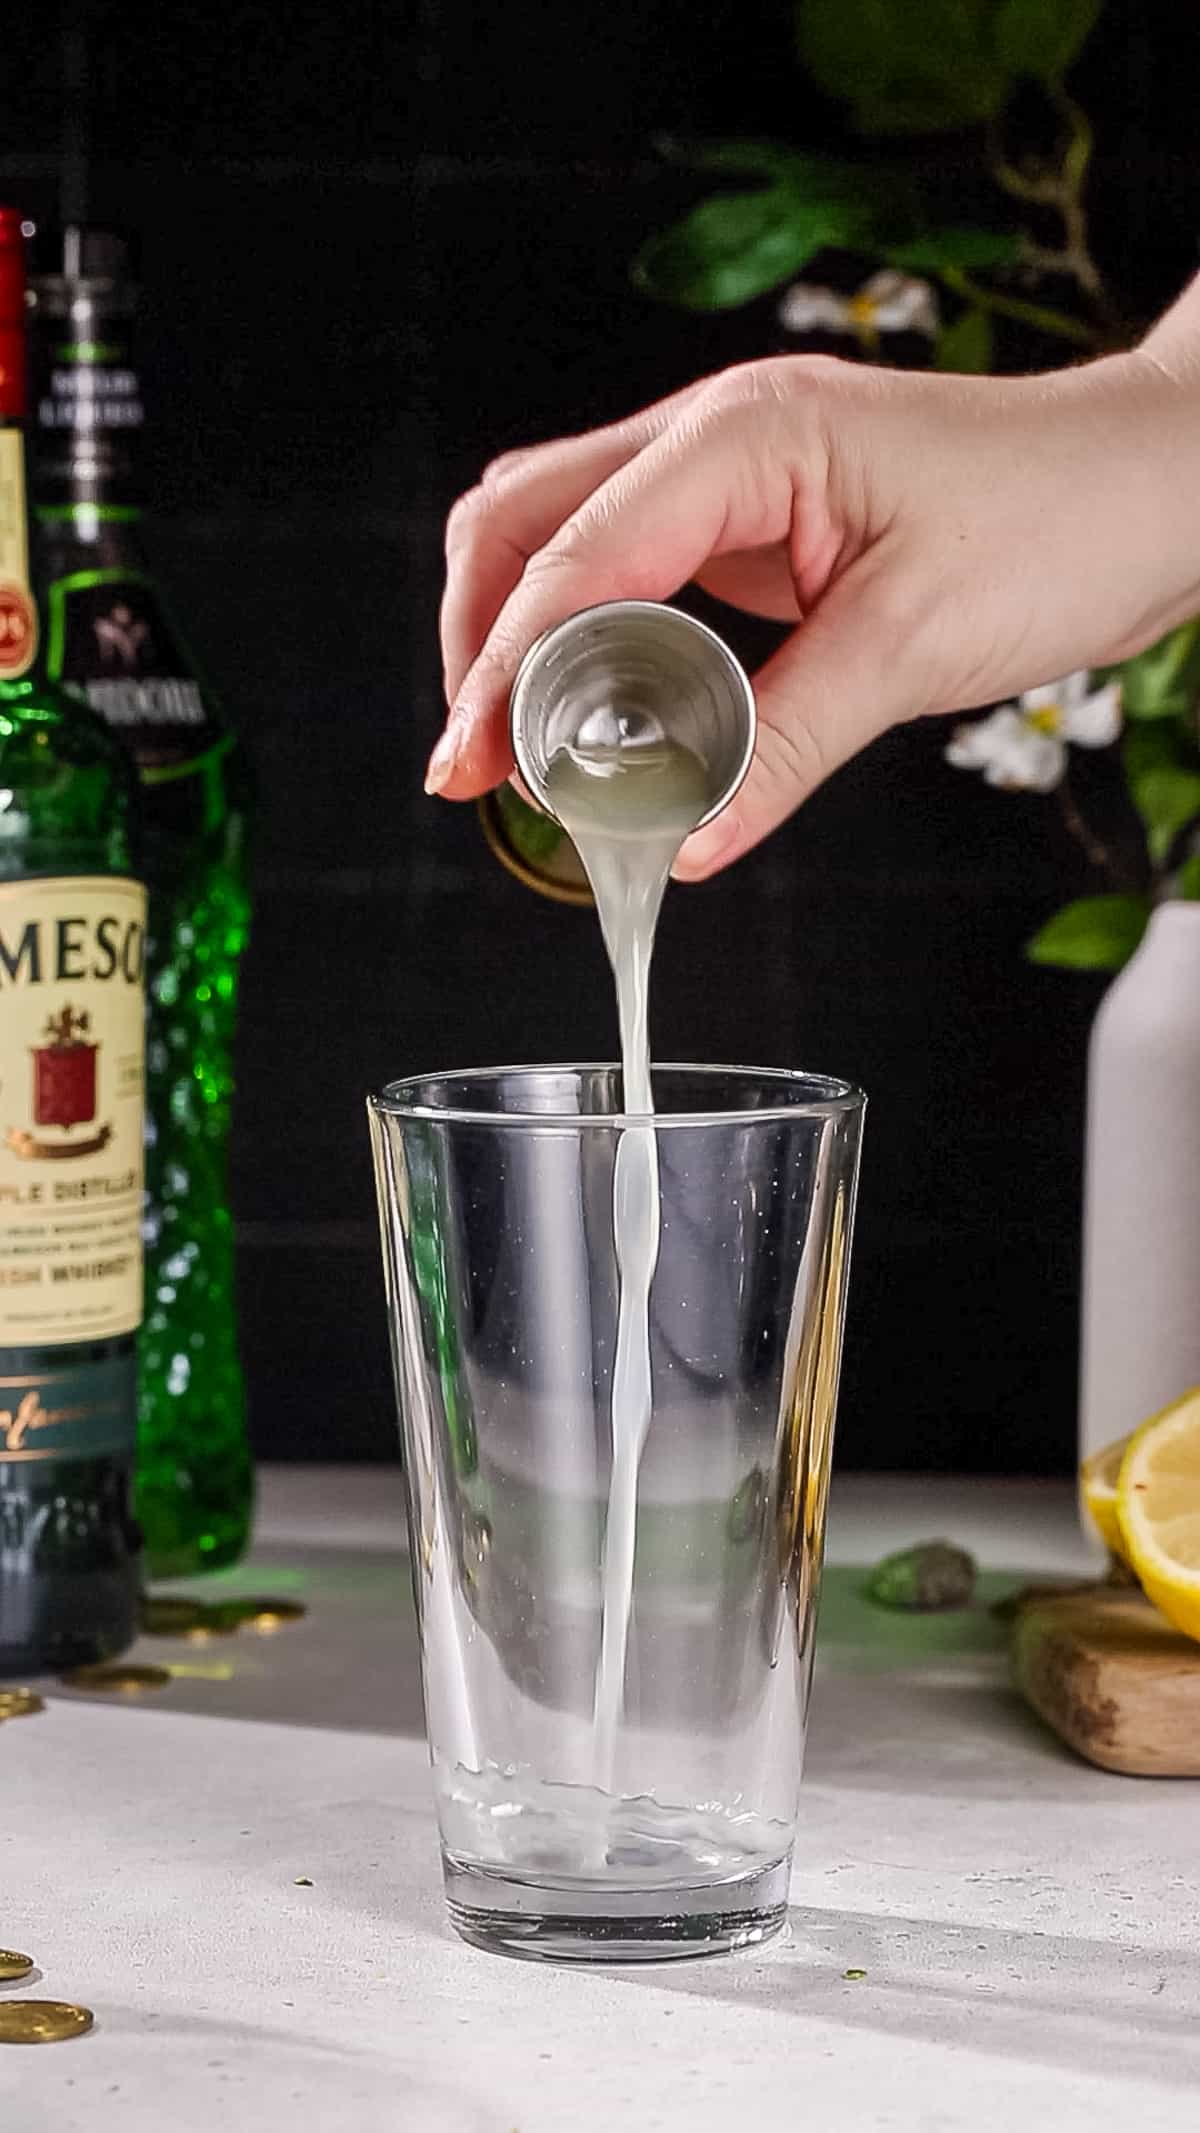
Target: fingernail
column 705, row 847
column 442, row 761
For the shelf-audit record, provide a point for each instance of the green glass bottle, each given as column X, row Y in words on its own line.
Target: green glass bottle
column 533, row 847
column 111, row 641
column 72, row 943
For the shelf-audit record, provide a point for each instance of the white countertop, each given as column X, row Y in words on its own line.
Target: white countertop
column 1027, row 1924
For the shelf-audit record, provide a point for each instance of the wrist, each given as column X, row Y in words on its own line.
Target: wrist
column 1146, row 409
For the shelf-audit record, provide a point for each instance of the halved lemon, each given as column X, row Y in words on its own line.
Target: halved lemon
column 1158, row 1510
column 1098, row 1481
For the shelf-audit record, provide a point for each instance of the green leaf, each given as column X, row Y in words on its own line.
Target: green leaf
column 738, row 245
column 932, row 1578
column 955, row 246
column 767, row 159
column 1153, row 745
column 1095, row 933
column 1162, row 770
column 1186, row 884
column 1164, row 680
column 1043, row 37
column 1166, row 800
column 905, row 66
column 966, row 346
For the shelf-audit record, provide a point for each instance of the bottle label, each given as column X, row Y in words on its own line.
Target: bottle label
column 109, row 642
column 18, row 616
column 82, row 1412
column 88, row 386
column 72, row 952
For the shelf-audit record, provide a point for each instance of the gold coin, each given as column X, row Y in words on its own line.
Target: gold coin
column 165, row 1614
column 118, row 1680
column 212, row 1626
column 42, row 2021
column 19, row 1703
column 224, row 1615
column 269, row 1614
column 256, row 1613
column 13, row 1965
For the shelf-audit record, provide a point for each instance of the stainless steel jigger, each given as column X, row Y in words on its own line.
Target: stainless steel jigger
column 639, row 662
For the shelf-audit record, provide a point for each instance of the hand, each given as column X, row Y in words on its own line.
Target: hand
column 937, row 542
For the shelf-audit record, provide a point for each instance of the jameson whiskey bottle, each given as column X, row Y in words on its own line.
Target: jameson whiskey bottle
column 72, row 939
column 110, row 641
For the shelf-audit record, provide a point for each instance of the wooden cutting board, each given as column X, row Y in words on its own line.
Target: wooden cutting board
column 1120, row 1686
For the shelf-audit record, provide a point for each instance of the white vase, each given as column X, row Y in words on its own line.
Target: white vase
column 1141, row 1230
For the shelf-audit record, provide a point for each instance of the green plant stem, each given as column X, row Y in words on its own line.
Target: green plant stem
column 1059, row 324
column 1062, row 191
column 1078, row 152
column 1049, row 259
column 1098, row 854
column 1074, row 216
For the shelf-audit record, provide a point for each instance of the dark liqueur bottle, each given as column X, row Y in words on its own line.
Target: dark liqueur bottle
column 111, row 641
column 72, row 940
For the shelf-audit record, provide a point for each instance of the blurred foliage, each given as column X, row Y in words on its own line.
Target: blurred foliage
column 739, row 245
column 936, row 66
column 914, row 79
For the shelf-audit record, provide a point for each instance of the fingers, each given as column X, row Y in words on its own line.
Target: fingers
column 835, row 685
column 493, row 530
column 709, row 483
column 520, row 503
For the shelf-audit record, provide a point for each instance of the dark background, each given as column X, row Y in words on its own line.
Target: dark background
column 381, row 243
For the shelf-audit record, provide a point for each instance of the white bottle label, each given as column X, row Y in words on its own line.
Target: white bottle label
column 72, row 954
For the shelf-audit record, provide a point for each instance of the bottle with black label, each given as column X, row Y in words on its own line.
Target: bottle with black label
column 111, row 641
column 72, row 941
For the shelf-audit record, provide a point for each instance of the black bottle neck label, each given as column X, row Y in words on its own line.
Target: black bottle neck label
column 87, row 411
column 108, row 640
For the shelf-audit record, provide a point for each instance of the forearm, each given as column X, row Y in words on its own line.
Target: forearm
column 1153, row 398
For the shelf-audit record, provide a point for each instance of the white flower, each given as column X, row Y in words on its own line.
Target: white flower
column 1022, row 747
column 889, row 303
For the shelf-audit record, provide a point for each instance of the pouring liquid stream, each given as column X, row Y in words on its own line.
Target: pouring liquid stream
column 628, row 796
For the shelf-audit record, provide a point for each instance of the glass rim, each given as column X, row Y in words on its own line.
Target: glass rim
column 839, row 1099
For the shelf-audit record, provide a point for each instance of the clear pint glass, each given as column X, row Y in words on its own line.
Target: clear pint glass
column 665, row 1826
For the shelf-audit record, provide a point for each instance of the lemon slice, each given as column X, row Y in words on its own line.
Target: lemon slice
column 1098, row 1481
column 1158, row 1509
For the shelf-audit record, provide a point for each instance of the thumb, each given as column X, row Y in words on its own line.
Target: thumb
column 835, row 685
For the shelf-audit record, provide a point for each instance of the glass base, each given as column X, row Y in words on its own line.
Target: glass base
column 593, row 1924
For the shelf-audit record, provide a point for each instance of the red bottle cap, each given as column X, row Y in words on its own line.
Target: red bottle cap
column 13, row 232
